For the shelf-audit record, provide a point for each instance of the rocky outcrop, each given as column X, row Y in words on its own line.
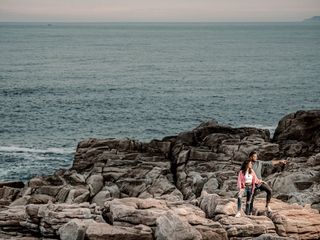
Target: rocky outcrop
column 293, row 220
column 180, row 187
column 298, row 134
column 287, row 220
column 132, row 218
column 45, row 219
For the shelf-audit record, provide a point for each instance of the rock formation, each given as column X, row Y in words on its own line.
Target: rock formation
column 180, row 187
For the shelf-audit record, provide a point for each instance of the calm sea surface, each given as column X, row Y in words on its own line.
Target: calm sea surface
column 61, row 83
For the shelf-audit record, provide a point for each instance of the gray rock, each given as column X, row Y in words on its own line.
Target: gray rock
column 211, row 185
column 314, row 160
column 12, row 184
column 95, row 183
column 40, row 199
column 103, row 231
column 78, row 195
column 301, row 130
column 208, row 203
column 109, row 192
column 74, row 230
column 268, row 236
column 172, row 227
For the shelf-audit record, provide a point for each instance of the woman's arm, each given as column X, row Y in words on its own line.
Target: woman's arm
column 240, row 182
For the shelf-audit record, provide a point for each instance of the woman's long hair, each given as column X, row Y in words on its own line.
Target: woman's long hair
column 245, row 167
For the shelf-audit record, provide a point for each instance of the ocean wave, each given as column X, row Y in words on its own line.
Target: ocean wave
column 22, row 163
column 17, row 149
column 260, row 126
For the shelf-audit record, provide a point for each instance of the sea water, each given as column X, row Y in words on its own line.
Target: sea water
column 61, row 83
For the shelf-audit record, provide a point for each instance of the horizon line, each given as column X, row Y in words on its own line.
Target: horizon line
column 285, row 21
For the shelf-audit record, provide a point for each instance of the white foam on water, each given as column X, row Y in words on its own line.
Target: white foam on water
column 24, row 162
column 17, row 149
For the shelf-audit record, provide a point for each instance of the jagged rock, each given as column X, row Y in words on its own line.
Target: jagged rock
column 89, row 150
column 9, row 193
column 75, row 229
column 102, row 231
column 156, row 146
column 314, row 160
column 20, row 201
column 298, row 133
column 246, row 226
column 213, row 231
column 78, row 195
column 39, row 199
column 161, row 188
column 95, row 183
column 171, row 227
column 45, row 219
column 12, row 184
column 75, row 178
column 131, row 210
column 195, row 161
column 293, row 220
column 135, row 211
column 211, row 185
column 201, row 132
column 109, row 192
column 18, row 236
column 101, row 197
column 208, row 203
column 192, row 175
column 301, row 186
column 62, row 194
column 48, row 190
column 56, row 179
column 268, row 236
column 290, row 182
column 36, row 182
column 11, row 218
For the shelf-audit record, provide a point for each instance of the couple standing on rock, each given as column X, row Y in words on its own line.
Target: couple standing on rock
column 250, row 182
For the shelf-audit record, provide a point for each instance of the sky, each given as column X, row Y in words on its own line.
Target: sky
column 157, row 11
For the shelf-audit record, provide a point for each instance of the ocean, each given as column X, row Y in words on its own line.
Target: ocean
column 61, row 83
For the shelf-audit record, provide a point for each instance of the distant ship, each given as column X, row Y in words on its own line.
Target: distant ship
column 313, row 19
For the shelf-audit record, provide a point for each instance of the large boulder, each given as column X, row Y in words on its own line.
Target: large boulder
column 75, row 229
column 293, row 220
column 171, row 227
column 299, row 133
column 95, row 183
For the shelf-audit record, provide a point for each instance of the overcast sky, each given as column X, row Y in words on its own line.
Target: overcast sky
column 160, row 10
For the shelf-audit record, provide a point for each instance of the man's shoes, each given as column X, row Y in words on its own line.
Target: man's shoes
column 238, row 215
column 268, row 209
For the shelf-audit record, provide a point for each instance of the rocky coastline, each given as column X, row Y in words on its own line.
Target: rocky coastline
column 180, row 187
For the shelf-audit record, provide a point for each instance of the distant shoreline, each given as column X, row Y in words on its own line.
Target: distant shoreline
column 312, row 19
column 164, row 22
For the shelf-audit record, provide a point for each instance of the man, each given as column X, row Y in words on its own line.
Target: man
column 257, row 168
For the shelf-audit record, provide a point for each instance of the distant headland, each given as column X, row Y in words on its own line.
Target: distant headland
column 313, row 19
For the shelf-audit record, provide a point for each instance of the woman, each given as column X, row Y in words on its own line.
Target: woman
column 246, row 184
